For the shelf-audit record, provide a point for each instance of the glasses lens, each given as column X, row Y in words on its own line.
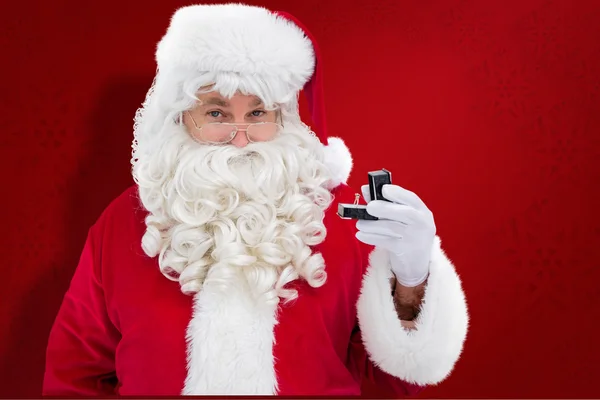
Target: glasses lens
column 216, row 133
column 263, row 132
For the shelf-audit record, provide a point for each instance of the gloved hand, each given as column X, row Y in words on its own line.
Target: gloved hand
column 405, row 228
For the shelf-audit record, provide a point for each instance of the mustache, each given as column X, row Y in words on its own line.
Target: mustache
column 229, row 152
column 257, row 171
column 247, row 155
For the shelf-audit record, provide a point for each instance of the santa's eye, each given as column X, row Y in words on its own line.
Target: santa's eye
column 214, row 114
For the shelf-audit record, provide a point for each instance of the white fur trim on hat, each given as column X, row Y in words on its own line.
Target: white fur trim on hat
column 240, row 39
column 428, row 354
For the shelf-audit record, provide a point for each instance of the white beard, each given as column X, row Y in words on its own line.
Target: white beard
column 219, row 211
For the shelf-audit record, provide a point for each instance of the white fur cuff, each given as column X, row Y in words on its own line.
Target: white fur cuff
column 426, row 355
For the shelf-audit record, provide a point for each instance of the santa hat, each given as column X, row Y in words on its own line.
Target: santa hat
column 273, row 48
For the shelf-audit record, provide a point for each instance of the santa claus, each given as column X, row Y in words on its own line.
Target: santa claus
column 225, row 269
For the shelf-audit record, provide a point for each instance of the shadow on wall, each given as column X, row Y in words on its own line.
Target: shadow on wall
column 103, row 173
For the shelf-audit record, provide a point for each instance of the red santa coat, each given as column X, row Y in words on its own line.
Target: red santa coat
column 124, row 328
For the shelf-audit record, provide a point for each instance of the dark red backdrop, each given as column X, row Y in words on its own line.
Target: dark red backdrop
column 488, row 110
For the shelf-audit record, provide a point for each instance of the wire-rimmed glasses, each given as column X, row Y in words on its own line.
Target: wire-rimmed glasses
column 222, row 132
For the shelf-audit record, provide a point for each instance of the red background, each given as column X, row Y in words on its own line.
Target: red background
column 488, row 110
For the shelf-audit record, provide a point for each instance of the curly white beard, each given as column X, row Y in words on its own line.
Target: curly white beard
column 219, row 211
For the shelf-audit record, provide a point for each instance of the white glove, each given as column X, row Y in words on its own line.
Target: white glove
column 405, row 228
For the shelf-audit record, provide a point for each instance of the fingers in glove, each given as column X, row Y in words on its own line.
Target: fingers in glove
column 400, row 195
column 382, row 227
column 392, row 211
column 386, row 242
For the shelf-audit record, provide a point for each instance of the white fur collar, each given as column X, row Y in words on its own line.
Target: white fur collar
column 230, row 343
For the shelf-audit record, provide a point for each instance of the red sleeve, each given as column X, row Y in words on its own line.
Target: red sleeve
column 81, row 347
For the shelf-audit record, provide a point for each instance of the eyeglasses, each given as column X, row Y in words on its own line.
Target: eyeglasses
column 222, row 133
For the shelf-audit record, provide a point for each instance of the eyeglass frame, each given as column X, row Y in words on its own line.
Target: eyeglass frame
column 235, row 132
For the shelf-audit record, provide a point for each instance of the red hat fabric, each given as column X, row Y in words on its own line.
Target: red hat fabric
column 313, row 89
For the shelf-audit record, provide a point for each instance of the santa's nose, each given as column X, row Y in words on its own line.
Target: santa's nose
column 240, row 139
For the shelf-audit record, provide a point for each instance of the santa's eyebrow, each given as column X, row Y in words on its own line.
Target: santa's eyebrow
column 215, row 101
column 220, row 102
